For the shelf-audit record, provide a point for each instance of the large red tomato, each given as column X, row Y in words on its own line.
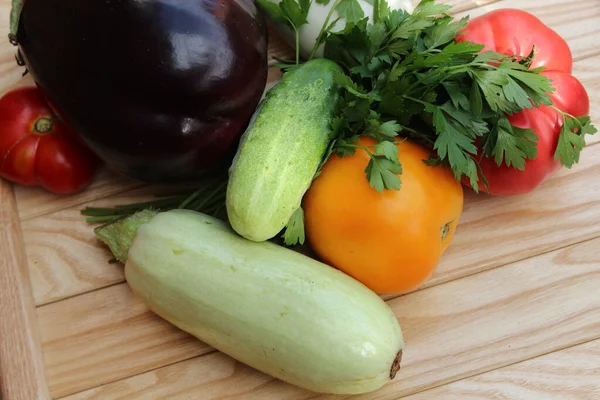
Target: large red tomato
column 516, row 32
column 38, row 149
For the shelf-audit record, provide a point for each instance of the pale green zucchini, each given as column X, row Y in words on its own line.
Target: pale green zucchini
column 281, row 150
column 269, row 307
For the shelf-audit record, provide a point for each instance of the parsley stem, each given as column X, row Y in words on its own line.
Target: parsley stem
column 416, row 100
column 323, row 29
column 406, row 128
column 297, row 47
column 566, row 116
column 561, row 112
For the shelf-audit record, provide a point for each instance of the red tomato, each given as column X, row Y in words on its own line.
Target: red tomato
column 38, row 149
column 516, row 32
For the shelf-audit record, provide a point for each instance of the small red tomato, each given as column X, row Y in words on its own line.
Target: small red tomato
column 36, row 149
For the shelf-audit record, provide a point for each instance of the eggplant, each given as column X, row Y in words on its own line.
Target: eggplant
column 161, row 90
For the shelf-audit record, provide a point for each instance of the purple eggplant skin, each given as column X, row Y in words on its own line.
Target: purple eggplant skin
column 161, row 90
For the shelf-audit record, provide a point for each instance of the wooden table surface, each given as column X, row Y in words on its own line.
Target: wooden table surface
column 513, row 311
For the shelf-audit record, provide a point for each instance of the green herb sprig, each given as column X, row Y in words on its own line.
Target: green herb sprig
column 407, row 75
column 207, row 198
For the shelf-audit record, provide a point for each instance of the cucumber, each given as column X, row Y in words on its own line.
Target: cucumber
column 274, row 309
column 280, row 151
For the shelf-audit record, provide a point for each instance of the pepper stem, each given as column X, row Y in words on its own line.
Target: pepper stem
column 119, row 235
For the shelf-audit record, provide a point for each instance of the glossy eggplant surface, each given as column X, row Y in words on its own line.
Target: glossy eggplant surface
column 161, row 90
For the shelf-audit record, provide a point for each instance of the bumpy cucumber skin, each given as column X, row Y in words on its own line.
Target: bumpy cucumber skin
column 281, row 150
column 271, row 308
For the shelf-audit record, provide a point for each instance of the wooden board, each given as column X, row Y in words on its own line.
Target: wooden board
column 512, row 311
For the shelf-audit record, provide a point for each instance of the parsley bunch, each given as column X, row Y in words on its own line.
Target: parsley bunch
column 406, row 75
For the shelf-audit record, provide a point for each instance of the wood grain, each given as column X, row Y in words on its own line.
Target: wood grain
column 455, row 330
column 22, row 374
column 573, row 373
column 107, row 335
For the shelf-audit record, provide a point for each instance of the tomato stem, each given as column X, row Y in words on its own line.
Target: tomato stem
column 43, row 125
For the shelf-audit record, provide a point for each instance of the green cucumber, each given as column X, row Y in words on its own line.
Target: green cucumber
column 267, row 306
column 281, row 150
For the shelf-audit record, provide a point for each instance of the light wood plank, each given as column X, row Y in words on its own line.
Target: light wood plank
column 104, row 336
column 573, row 373
column 575, row 21
column 455, row 330
column 22, row 374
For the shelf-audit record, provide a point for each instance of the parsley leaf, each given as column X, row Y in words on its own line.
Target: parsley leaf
column 513, row 145
column 457, row 95
column 443, row 32
column 454, row 145
column 475, row 101
column 294, row 13
column 350, row 10
column 274, row 11
column 388, row 149
column 411, row 27
column 536, row 86
column 571, row 139
column 382, row 173
column 389, row 128
column 294, row 231
column 428, row 8
column 381, row 10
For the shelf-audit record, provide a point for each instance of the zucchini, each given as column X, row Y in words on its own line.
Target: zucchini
column 269, row 307
column 281, row 150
